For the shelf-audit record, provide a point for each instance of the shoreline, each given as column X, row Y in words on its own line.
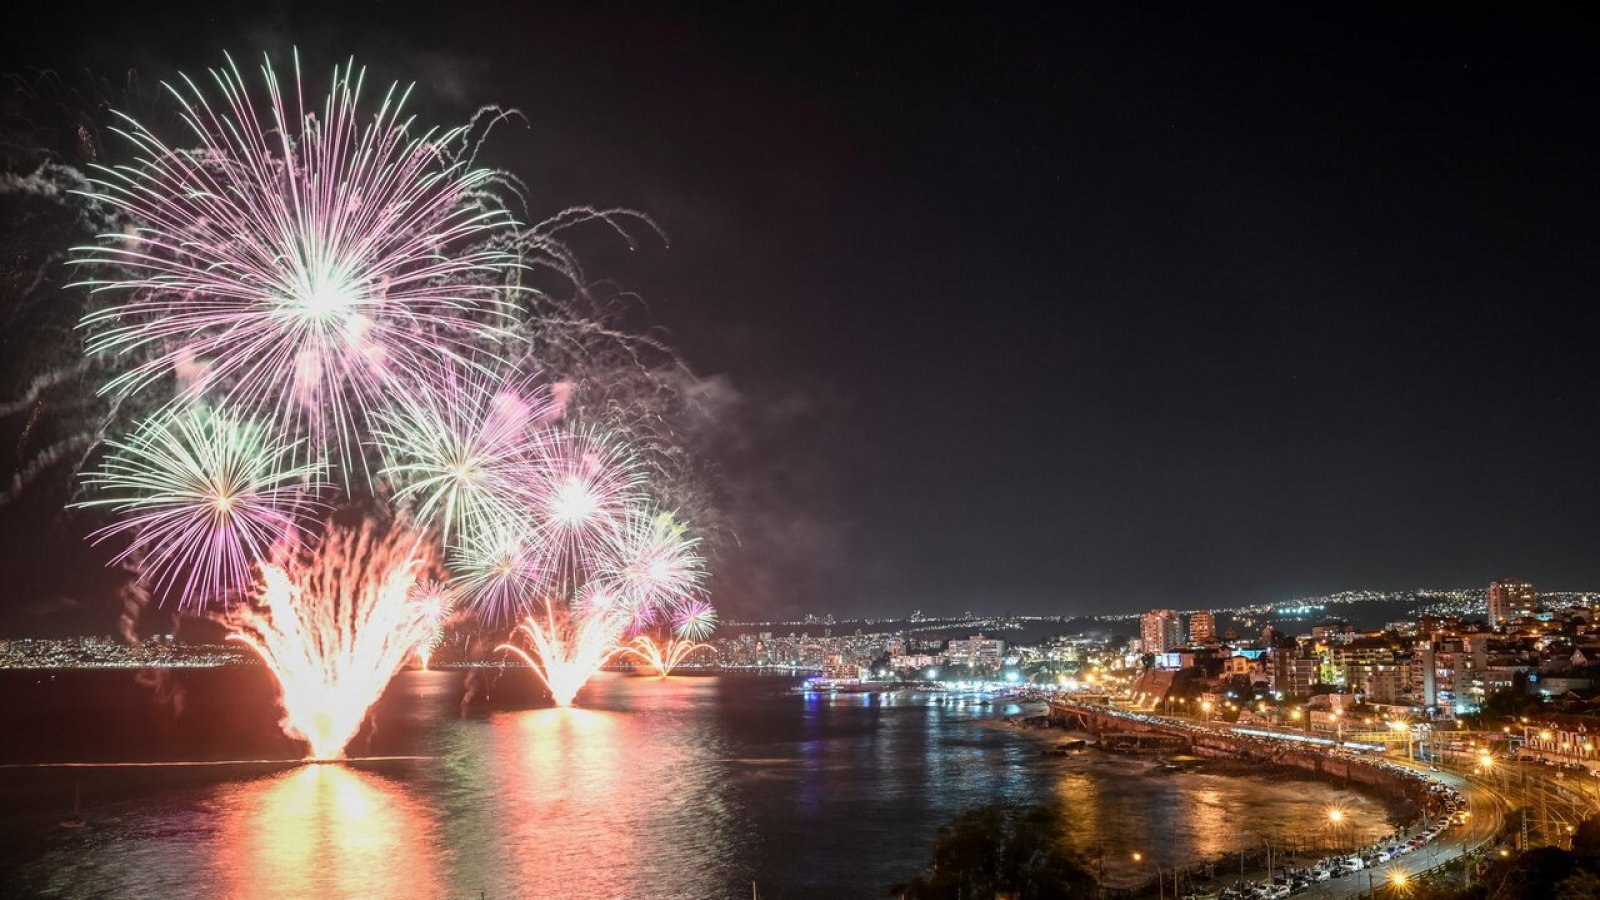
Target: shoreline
column 1400, row 811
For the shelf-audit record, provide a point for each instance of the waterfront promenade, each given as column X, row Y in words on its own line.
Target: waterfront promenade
column 1489, row 799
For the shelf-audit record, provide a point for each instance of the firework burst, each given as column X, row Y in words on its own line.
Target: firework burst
column 657, row 564
column 435, row 603
column 581, row 490
column 497, row 572
column 205, row 495
column 308, row 261
column 334, row 625
column 694, row 620
column 460, row 454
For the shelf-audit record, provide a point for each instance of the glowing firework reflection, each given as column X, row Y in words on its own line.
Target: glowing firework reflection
column 337, row 624
column 663, row 658
column 326, row 831
column 570, row 792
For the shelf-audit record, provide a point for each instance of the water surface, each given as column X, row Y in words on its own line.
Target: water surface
column 685, row 787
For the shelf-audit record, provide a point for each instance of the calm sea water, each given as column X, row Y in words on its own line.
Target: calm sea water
column 690, row 787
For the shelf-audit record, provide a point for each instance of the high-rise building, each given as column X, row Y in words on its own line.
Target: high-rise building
column 1202, row 627
column 1511, row 600
column 977, row 651
column 1160, row 630
column 1294, row 673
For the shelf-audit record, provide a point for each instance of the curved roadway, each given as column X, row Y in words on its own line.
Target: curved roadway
column 1487, row 804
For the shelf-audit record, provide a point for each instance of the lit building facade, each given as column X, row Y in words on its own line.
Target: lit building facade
column 1511, row 600
column 1160, row 630
column 978, row 651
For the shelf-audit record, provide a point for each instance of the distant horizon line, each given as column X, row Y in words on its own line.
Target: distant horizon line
column 1353, row 596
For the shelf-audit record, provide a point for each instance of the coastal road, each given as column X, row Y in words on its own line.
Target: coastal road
column 1487, row 808
column 1488, row 803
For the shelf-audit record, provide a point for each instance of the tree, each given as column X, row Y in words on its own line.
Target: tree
column 1002, row 850
column 1580, row 885
column 1586, row 840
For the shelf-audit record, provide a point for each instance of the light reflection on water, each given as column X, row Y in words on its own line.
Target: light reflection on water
column 325, row 831
column 678, row 787
column 1119, row 807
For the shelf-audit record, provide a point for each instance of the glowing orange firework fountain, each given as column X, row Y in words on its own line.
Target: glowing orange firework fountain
column 568, row 648
column 663, row 657
column 334, row 626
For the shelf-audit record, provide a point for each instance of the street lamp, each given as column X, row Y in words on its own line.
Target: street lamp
column 1161, row 884
column 1487, row 763
column 1400, row 726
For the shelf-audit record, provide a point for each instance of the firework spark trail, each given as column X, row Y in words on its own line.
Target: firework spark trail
column 204, row 495
column 663, row 657
column 435, row 603
column 568, row 647
column 613, row 565
column 315, row 260
column 459, row 454
column 334, row 626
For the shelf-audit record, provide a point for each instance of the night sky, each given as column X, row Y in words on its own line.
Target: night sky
column 1083, row 311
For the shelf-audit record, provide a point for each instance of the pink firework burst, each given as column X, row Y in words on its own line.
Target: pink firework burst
column 308, row 262
column 205, row 496
column 657, row 564
column 460, row 453
column 694, row 620
column 581, row 489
